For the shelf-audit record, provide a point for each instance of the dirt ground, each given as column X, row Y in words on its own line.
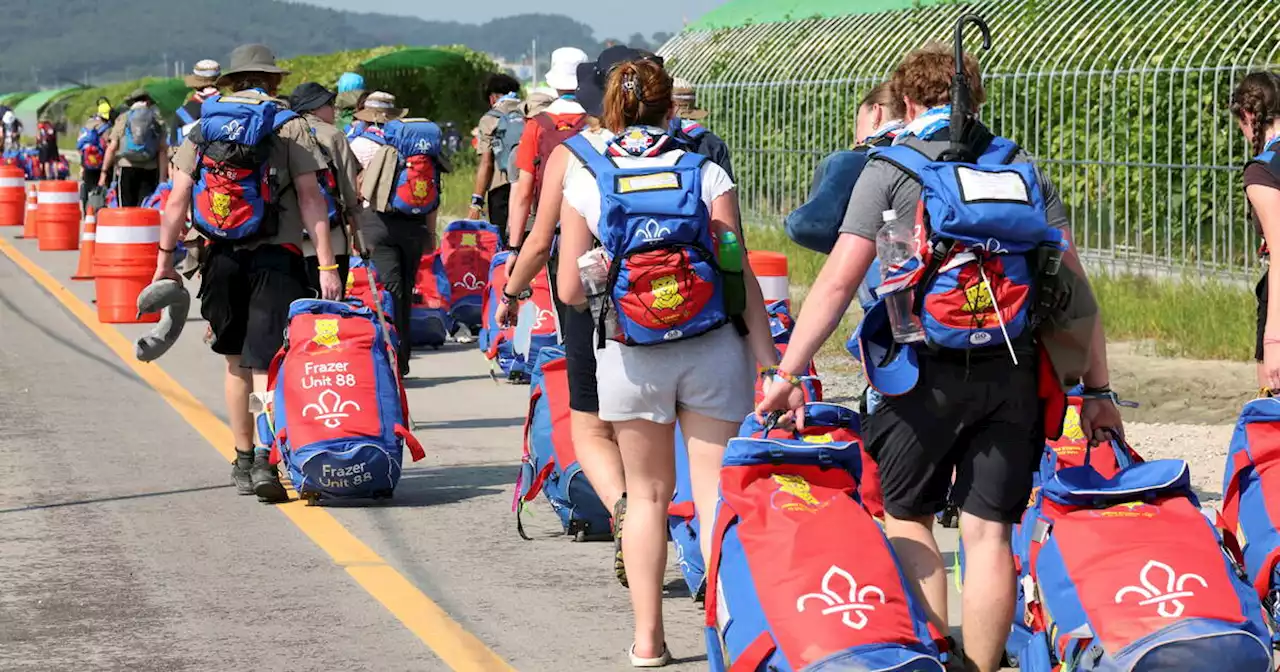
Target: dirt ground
column 1187, row 407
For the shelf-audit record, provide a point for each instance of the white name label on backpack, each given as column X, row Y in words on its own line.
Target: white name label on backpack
column 654, row 182
column 978, row 185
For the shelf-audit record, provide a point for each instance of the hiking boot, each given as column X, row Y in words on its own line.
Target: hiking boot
column 266, row 480
column 240, row 468
column 619, row 515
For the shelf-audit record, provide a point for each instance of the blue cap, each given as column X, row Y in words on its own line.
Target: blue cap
column 350, row 81
column 871, row 342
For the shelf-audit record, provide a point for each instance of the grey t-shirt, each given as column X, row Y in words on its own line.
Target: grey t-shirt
column 883, row 185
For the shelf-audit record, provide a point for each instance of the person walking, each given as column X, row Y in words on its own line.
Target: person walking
column 92, row 145
column 203, row 84
column 496, row 150
column 135, row 151
column 1256, row 107
column 687, row 128
column 247, row 285
column 681, row 352
column 338, row 181
column 975, row 412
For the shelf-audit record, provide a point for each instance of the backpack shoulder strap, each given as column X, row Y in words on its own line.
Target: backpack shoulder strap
column 907, row 159
column 185, row 116
column 1000, row 152
column 592, row 159
column 283, row 117
column 691, row 160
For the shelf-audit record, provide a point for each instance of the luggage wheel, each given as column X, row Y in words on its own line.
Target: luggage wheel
column 311, row 498
column 950, row 518
column 382, row 495
column 580, row 535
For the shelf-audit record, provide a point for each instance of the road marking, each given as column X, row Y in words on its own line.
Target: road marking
column 458, row 648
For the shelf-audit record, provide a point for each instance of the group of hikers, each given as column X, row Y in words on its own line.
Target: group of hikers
column 43, row 161
column 955, row 413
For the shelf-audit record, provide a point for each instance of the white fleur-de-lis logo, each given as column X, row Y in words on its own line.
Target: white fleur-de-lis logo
column 423, row 145
column 469, row 282
column 652, row 231
column 233, row 129
column 331, row 409
column 850, row 605
column 543, row 316
column 1167, row 594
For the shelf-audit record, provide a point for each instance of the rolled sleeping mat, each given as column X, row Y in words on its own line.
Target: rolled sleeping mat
column 173, row 302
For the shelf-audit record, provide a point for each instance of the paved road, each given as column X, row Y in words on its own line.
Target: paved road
column 125, row 548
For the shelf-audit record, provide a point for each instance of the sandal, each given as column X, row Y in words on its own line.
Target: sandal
column 619, row 515
column 661, row 661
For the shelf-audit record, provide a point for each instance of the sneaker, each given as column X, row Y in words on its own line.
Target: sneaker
column 619, row 516
column 266, row 480
column 240, row 468
column 464, row 335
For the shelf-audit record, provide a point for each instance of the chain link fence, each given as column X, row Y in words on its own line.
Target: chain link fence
column 1124, row 102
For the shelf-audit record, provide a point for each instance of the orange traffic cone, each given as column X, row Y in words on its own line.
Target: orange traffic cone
column 29, row 230
column 88, row 241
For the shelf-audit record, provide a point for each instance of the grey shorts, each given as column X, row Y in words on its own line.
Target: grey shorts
column 712, row 375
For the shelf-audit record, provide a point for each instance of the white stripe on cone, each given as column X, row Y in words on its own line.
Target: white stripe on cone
column 89, row 236
column 57, row 197
column 111, row 235
column 11, row 181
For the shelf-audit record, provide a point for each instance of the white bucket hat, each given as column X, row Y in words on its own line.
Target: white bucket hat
column 563, row 75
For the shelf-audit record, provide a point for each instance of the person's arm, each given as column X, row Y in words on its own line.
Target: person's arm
column 828, row 299
column 1266, row 207
column 484, row 177
column 536, row 250
column 108, row 161
column 724, row 218
column 575, row 241
column 521, row 203
column 173, row 224
column 162, row 156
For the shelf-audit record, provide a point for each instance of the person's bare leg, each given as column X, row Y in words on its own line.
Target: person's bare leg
column 238, row 385
column 599, row 456
column 648, row 459
column 706, row 438
column 913, row 541
column 990, row 595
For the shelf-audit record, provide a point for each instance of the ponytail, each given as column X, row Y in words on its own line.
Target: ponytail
column 637, row 92
column 1258, row 96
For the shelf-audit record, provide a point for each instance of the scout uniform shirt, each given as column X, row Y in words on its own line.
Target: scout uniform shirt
column 334, row 146
column 293, row 152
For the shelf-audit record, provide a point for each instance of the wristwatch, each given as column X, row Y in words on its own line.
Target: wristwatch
column 522, row 296
column 477, row 201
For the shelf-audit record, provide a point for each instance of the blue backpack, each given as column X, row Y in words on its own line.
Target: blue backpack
column 338, row 416
column 800, row 576
column 550, row 465
column 92, row 145
column 1127, row 574
column 665, row 284
column 235, row 193
column 141, row 141
column 506, row 138
column 417, row 185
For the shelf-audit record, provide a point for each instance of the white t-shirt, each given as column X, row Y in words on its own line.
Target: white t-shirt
column 582, row 192
column 364, row 149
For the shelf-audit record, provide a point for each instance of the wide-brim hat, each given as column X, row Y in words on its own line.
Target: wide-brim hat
column 204, row 75
column 252, row 58
column 379, row 108
column 563, row 74
column 592, row 76
column 138, row 94
column 310, row 96
column 685, row 96
column 872, row 343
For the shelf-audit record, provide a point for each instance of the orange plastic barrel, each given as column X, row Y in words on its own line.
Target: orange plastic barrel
column 58, row 215
column 124, row 261
column 13, row 196
column 770, row 269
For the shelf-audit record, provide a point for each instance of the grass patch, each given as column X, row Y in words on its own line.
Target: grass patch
column 1190, row 317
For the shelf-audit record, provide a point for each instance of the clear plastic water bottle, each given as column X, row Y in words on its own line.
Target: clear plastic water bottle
column 593, row 268
column 895, row 245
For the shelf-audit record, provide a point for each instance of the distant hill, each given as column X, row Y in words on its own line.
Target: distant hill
column 52, row 42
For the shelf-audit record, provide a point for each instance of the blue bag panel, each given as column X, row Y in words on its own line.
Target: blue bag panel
column 880, row 658
column 816, row 224
column 413, row 137
column 350, row 469
column 1082, row 486
column 740, row 618
column 1188, row 645
column 468, row 313
column 684, row 531
column 242, row 120
column 429, row 327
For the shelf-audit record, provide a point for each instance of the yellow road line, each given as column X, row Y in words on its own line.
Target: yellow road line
column 455, row 646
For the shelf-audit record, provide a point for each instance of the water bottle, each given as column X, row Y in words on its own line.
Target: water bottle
column 730, row 261
column 593, row 268
column 896, row 244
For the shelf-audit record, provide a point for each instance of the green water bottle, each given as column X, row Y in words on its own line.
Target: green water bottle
column 735, row 289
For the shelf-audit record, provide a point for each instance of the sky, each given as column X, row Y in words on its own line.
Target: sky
column 607, row 17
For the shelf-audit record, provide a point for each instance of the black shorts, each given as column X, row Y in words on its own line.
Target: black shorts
column 88, row 182
column 136, row 184
column 313, row 271
column 49, row 153
column 1261, row 292
column 981, row 419
column 499, row 209
column 245, row 296
column 580, row 359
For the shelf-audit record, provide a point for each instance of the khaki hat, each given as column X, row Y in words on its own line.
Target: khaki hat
column 252, row 58
column 686, row 100
column 379, row 108
column 205, row 74
column 138, row 94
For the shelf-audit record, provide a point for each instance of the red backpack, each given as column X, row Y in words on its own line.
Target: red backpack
column 556, row 128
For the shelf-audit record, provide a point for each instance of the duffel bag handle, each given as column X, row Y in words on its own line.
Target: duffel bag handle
column 415, row 448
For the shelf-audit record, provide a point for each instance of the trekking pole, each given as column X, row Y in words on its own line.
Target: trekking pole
column 357, row 239
column 961, row 95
